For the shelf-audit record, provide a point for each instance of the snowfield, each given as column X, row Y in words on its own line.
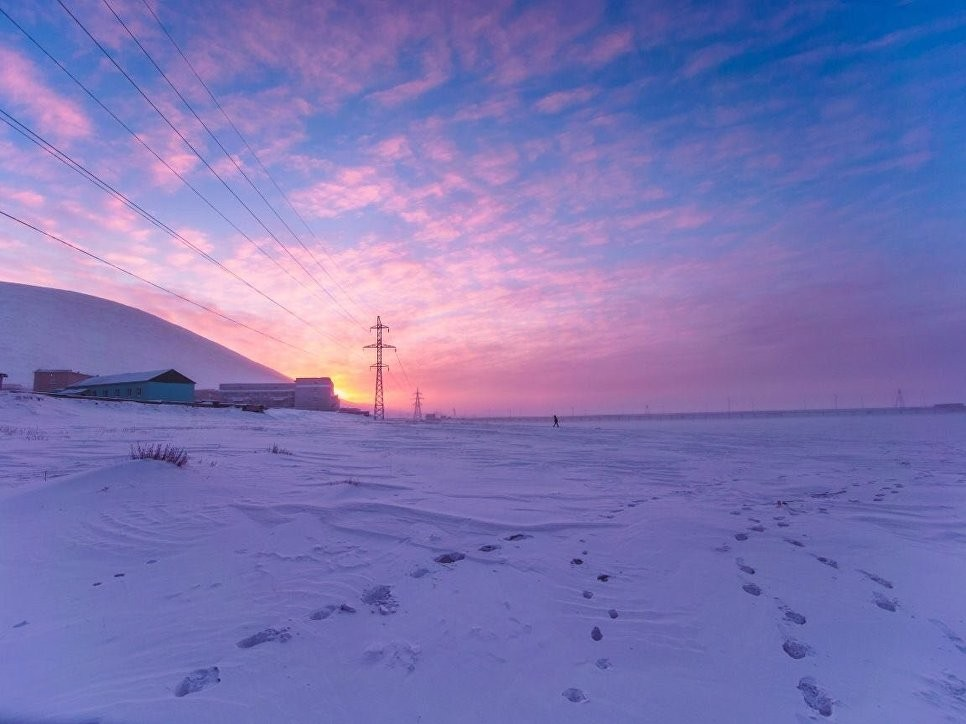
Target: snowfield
column 767, row 570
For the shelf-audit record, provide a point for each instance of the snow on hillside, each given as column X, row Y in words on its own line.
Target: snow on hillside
column 43, row 328
column 779, row 570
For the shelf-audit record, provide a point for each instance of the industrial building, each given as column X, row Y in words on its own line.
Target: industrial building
column 54, row 380
column 155, row 386
column 306, row 393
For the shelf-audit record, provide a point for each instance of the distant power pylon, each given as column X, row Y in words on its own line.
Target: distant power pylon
column 379, row 407
column 900, row 401
column 418, row 407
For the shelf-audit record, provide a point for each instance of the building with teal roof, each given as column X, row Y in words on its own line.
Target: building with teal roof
column 154, row 386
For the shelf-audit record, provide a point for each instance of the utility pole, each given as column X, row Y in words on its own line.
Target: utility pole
column 379, row 407
column 2, row 375
column 900, row 400
column 418, row 407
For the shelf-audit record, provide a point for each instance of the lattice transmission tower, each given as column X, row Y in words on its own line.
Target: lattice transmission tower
column 379, row 407
column 418, row 407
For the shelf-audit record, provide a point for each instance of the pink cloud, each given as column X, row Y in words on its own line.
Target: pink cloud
column 54, row 115
column 711, row 57
column 610, row 46
column 500, row 108
column 558, row 101
column 437, row 73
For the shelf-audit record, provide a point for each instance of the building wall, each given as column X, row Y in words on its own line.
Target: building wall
column 315, row 393
column 145, row 391
column 270, row 394
column 54, row 380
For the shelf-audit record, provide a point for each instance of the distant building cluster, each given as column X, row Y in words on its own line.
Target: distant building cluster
column 305, row 393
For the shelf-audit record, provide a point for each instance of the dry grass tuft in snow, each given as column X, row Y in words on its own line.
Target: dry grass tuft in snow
column 177, row 456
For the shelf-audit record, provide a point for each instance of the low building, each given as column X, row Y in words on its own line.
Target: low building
column 54, row 380
column 306, row 393
column 269, row 394
column 154, row 386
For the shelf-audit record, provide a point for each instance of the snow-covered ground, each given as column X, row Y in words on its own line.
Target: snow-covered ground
column 603, row 572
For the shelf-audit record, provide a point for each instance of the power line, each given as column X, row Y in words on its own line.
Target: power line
column 121, row 269
column 141, row 141
column 232, row 160
column 188, row 144
column 254, row 155
column 146, row 146
column 64, row 158
column 402, row 367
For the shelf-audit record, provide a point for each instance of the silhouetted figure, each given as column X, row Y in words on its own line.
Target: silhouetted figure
column 556, row 422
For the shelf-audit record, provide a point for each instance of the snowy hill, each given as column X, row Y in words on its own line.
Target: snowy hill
column 42, row 328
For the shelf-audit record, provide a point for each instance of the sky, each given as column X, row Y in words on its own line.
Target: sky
column 570, row 207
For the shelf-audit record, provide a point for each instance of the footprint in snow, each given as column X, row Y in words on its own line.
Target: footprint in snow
column 603, row 664
column 954, row 637
column 489, row 547
column 21, row 624
column 741, row 536
column 381, row 598
column 794, row 617
column 517, row 536
column 603, row 577
column 796, row 543
column 574, row 695
column 795, row 649
column 588, row 594
column 878, row 579
column 827, row 561
column 744, row 568
column 449, row 557
column 757, row 528
column 326, row 611
column 197, row 680
column 751, row 588
column 393, row 655
column 613, row 613
column 269, row 634
column 884, row 602
column 814, row 697
column 595, row 634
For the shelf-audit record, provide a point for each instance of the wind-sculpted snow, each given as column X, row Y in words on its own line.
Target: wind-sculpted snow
column 727, row 571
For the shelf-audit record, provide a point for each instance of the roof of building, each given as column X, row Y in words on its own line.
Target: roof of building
column 132, row 378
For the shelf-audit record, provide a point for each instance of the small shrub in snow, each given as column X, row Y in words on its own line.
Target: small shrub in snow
column 177, row 456
column 279, row 450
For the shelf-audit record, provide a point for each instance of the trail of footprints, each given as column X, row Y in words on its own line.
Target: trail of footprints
column 814, row 697
column 381, row 600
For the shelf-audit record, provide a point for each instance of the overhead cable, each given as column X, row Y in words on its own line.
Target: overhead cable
column 121, row 269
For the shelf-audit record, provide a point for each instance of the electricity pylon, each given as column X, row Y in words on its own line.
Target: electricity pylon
column 379, row 407
column 418, row 407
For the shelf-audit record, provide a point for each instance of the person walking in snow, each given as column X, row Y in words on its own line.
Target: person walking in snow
column 556, row 422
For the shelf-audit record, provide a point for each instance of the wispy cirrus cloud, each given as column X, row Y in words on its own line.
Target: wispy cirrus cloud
column 24, row 89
